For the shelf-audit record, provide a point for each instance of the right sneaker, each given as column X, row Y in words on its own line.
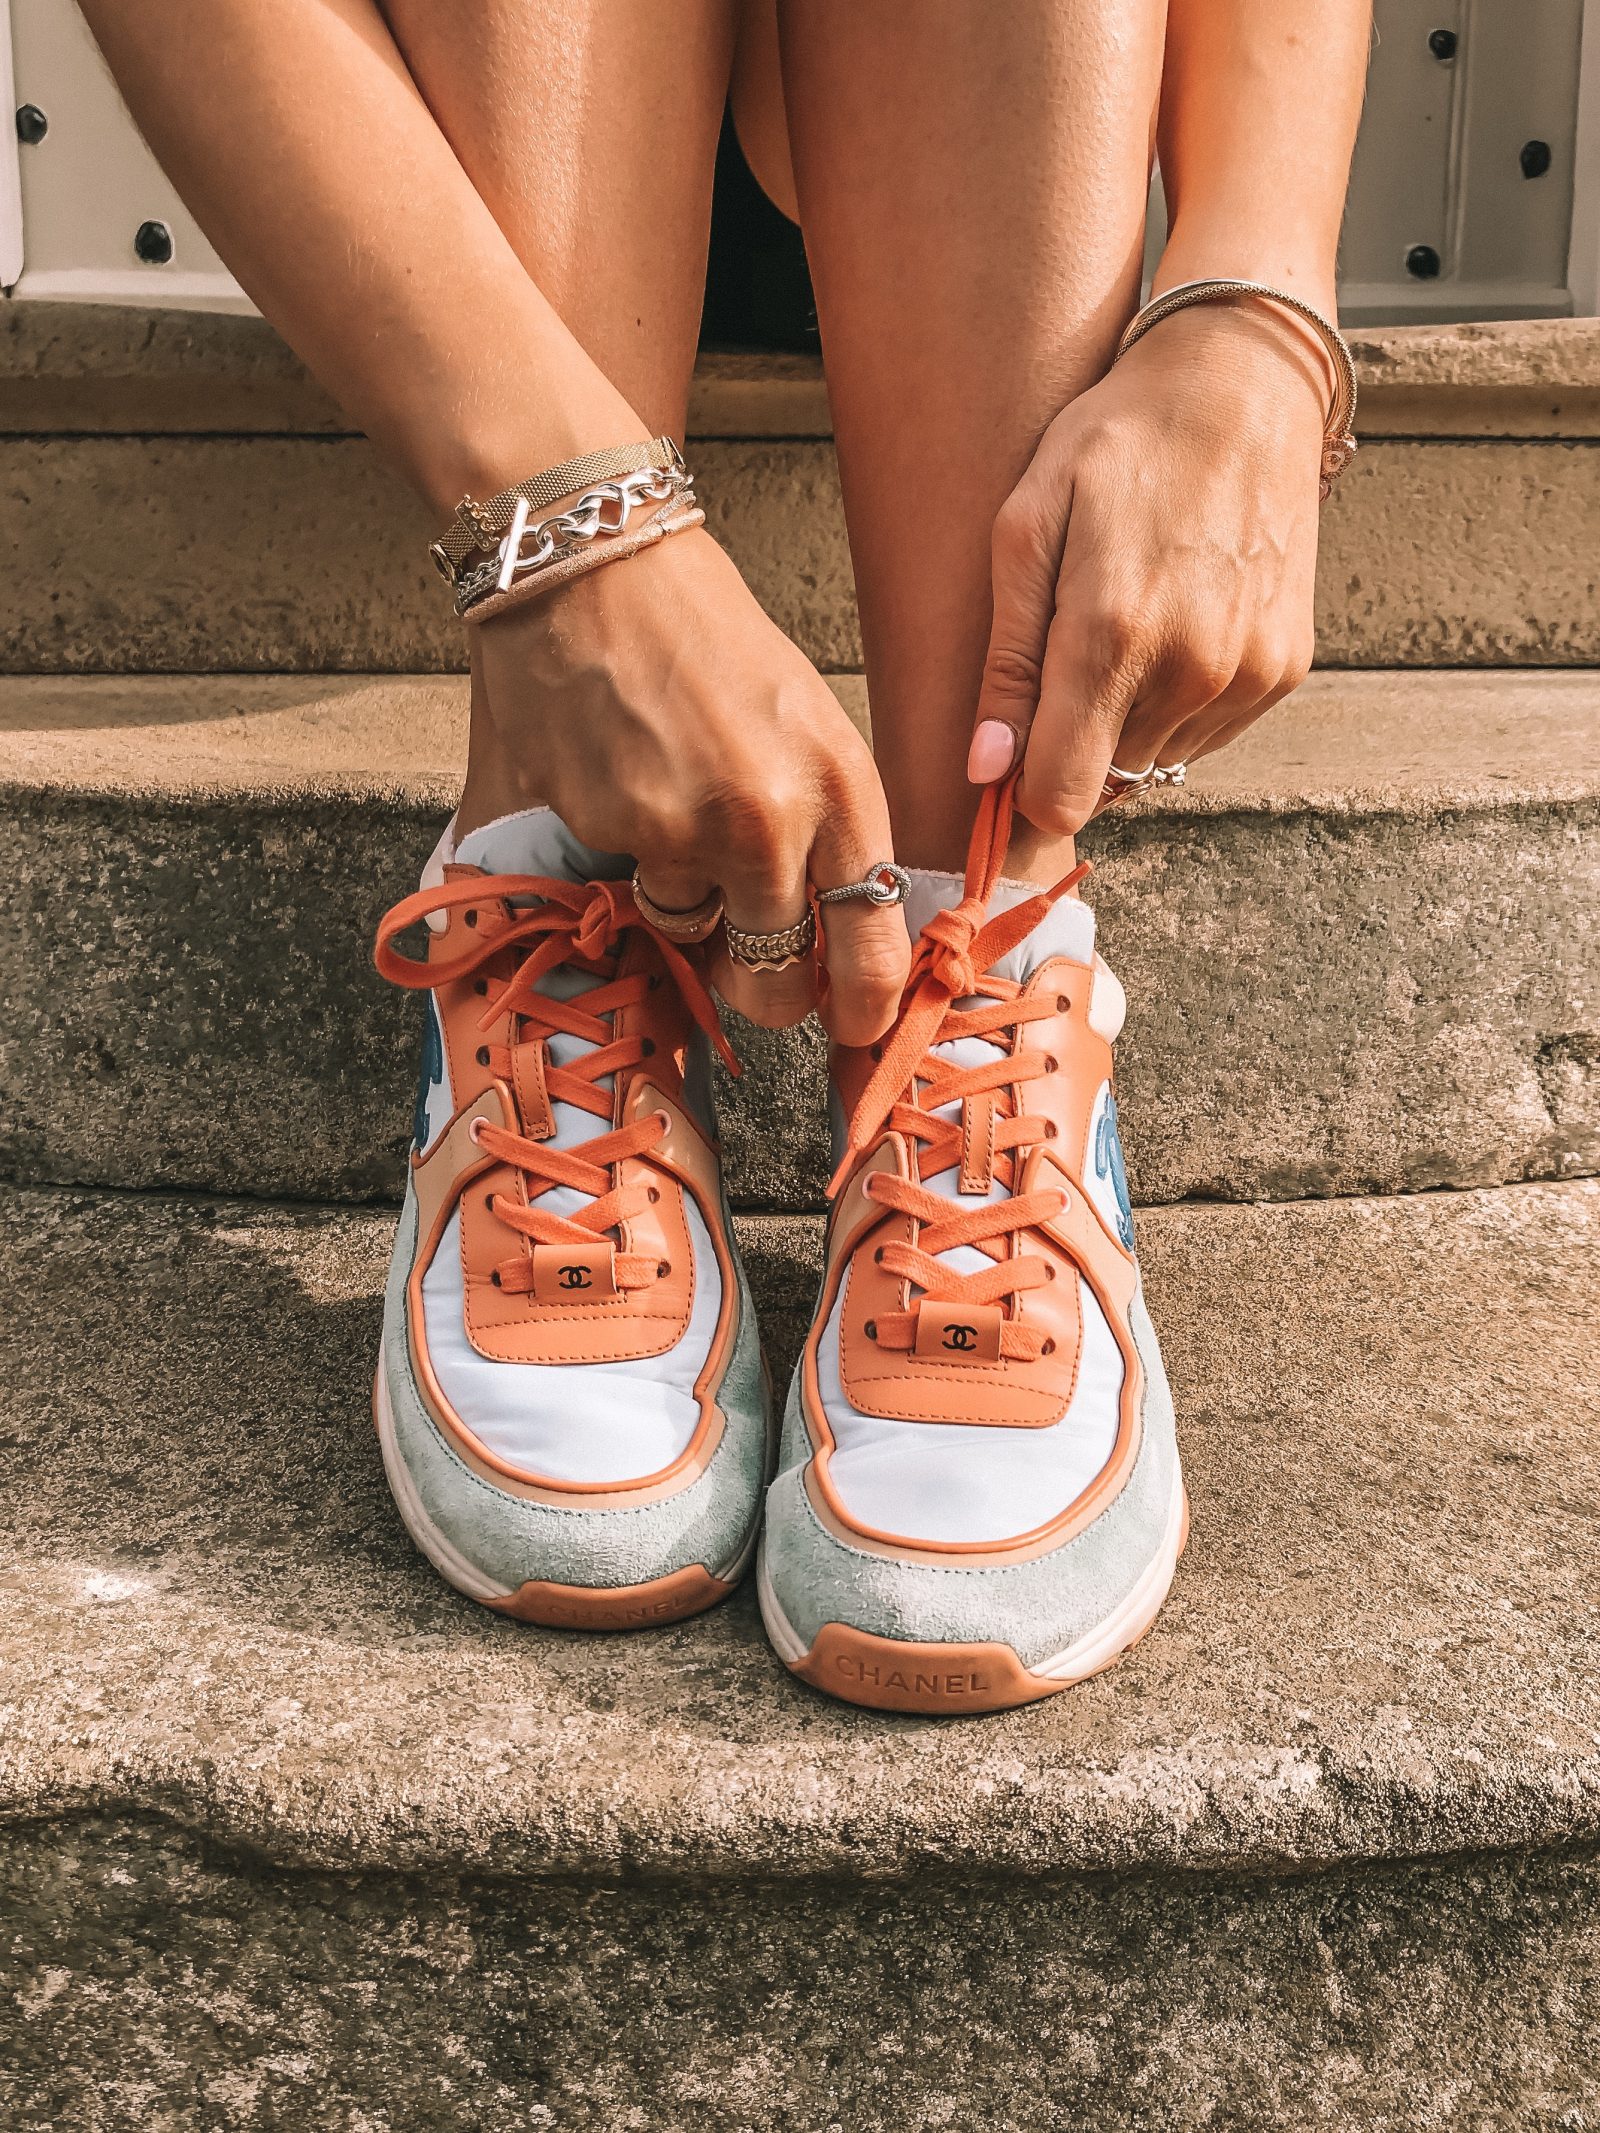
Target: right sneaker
column 570, row 1398
column 979, row 1499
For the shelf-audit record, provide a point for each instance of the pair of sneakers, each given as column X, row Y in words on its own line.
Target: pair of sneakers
column 977, row 1497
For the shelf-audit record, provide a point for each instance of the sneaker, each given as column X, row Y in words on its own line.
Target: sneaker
column 570, row 1396
column 978, row 1499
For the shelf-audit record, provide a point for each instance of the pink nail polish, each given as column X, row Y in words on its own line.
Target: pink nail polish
column 993, row 751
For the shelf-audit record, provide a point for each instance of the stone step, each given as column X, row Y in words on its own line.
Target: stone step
column 296, row 1835
column 188, row 501
column 1362, row 949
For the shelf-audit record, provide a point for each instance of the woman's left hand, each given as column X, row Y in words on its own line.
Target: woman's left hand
column 1154, row 568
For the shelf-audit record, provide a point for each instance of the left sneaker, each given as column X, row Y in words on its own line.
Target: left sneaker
column 570, row 1400
column 979, row 1499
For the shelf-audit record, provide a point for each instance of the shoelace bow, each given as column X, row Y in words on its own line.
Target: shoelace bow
column 581, row 924
column 954, row 955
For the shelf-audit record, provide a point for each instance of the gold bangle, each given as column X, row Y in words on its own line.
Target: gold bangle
column 1338, row 433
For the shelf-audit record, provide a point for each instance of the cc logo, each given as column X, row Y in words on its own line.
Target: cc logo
column 575, row 1277
column 963, row 1338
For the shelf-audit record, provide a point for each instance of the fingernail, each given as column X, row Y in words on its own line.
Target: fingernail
column 993, row 751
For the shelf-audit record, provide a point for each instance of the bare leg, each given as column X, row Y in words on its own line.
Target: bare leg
column 972, row 182
column 490, row 247
column 590, row 134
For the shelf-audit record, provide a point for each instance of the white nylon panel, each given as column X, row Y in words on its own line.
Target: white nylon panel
column 594, row 1422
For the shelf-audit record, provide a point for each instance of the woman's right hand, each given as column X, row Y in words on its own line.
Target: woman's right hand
column 661, row 713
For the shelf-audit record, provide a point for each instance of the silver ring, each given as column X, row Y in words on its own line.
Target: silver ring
column 884, row 884
column 1175, row 774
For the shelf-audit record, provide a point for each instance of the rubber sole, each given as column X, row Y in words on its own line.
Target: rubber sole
column 650, row 1605
column 952, row 1680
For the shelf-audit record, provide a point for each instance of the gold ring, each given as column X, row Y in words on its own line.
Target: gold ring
column 773, row 951
column 683, row 928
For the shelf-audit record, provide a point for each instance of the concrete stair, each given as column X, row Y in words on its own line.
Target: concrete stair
column 186, row 500
column 1362, row 948
column 300, row 1837
column 295, row 1836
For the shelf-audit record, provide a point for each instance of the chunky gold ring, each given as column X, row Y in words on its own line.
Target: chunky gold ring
column 683, row 928
column 773, row 951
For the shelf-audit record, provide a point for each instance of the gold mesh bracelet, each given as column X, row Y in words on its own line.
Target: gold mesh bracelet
column 477, row 526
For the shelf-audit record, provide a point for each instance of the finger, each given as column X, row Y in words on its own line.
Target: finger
column 866, row 949
column 1094, row 664
column 769, row 897
column 1026, row 553
column 1251, row 694
column 1184, row 690
column 675, row 886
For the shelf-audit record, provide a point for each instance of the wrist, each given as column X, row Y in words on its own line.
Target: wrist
column 1299, row 265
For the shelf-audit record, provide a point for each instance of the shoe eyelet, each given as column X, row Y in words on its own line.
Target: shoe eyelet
column 877, row 1051
column 480, row 985
column 483, row 1055
column 655, row 982
column 877, row 1257
column 1049, row 1270
column 470, row 917
column 1052, row 1064
column 1051, row 1129
column 475, row 1132
column 489, row 1199
column 870, row 1329
column 1062, row 1003
column 649, row 1047
column 655, row 1194
column 663, row 1269
column 1049, row 1348
column 495, row 1277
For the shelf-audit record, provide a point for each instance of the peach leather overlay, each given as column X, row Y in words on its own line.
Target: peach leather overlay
column 686, row 1592
column 452, row 1169
column 1079, row 1243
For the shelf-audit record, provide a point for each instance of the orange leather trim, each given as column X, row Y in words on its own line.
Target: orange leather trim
column 1076, row 1516
column 686, row 1592
column 684, row 1141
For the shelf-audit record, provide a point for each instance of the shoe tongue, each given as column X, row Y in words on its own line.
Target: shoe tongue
column 1066, row 929
column 537, row 841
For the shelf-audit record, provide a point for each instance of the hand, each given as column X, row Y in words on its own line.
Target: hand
column 660, row 713
column 1153, row 569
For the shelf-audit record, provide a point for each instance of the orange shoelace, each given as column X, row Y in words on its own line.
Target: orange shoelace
column 581, row 925
column 956, row 950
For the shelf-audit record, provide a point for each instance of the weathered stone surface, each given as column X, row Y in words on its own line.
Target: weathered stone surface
column 98, row 367
column 1362, row 948
column 1381, row 1642
column 277, row 554
column 149, row 1984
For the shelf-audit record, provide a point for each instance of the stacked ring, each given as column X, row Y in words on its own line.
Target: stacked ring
column 773, row 951
column 683, row 928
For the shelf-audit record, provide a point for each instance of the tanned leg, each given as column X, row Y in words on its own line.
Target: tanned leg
column 972, row 183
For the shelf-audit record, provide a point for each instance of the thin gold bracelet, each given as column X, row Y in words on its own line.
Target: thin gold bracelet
column 1338, row 434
